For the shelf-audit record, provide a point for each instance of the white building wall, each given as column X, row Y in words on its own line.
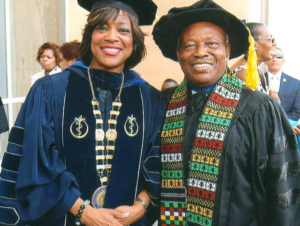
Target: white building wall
column 284, row 17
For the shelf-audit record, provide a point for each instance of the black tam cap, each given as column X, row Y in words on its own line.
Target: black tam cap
column 168, row 29
column 144, row 10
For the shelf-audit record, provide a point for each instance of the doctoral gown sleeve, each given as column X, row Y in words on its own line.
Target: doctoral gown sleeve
column 155, row 109
column 277, row 165
column 44, row 191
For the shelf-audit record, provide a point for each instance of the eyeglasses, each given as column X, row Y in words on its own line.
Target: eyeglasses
column 277, row 56
column 269, row 39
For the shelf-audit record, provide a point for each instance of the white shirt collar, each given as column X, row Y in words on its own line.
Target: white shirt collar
column 274, row 80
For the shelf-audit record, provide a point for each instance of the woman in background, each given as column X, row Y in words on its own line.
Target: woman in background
column 47, row 57
column 68, row 54
column 264, row 43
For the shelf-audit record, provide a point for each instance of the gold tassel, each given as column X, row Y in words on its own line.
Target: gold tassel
column 252, row 77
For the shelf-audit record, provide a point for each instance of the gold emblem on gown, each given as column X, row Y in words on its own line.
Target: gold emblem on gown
column 79, row 128
column 131, row 126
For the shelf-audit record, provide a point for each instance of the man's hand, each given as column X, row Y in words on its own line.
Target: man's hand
column 296, row 130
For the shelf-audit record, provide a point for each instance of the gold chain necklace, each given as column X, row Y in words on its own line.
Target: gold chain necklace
column 104, row 154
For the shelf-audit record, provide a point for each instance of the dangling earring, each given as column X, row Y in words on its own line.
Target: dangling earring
column 228, row 71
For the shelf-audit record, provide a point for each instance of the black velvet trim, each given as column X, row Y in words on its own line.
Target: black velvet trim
column 16, row 135
column 80, row 153
column 11, row 162
column 293, row 169
column 285, row 200
column 282, row 144
column 289, row 169
column 7, row 189
column 279, row 145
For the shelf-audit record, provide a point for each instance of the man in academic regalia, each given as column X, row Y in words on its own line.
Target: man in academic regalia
column 83, row 149
column 229, row 155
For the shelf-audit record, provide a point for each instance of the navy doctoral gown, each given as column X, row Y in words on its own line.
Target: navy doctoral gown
column 45, row 168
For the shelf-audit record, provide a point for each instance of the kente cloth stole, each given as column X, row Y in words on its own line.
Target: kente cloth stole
column 190, row 201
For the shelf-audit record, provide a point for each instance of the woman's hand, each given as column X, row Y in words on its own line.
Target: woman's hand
column 136, row 212
column 97, row 217
column 101, row 217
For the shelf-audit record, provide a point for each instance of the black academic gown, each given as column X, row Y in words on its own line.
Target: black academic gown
column 45, row 169
column 259, row 179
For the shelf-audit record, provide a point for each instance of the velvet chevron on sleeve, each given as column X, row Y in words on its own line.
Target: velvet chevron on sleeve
column 32, row 166
column 45, row 168
column 261, row 173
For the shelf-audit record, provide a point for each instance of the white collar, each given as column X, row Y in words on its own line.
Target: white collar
column 277, row 75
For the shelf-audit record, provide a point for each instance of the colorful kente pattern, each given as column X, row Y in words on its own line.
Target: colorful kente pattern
column 191, row 201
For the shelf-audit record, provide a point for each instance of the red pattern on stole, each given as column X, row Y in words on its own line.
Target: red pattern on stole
column 207, row 143
column 220, row 100
column 177, row 104
column 205, row 194
column 171, row 148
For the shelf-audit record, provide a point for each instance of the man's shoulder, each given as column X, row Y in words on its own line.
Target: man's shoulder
column 168, row 93
column 294, row 80
column 254, row 101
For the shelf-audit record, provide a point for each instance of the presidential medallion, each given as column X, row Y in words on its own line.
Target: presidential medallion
column 131, row 126
column 99, row 197
column 79, row 128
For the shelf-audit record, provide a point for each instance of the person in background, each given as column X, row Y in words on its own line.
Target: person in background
column 168, row 83
column 68, row 54
column 264, row 43
column 296, row 129
column 47, row 57
column 87, row 136
column 3, row 119
column 229, row 156
column 284, row 88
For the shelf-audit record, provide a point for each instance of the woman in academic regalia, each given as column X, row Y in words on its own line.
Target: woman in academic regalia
column 84, row 149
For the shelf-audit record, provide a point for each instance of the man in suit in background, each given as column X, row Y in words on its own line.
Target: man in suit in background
column 287, row 87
